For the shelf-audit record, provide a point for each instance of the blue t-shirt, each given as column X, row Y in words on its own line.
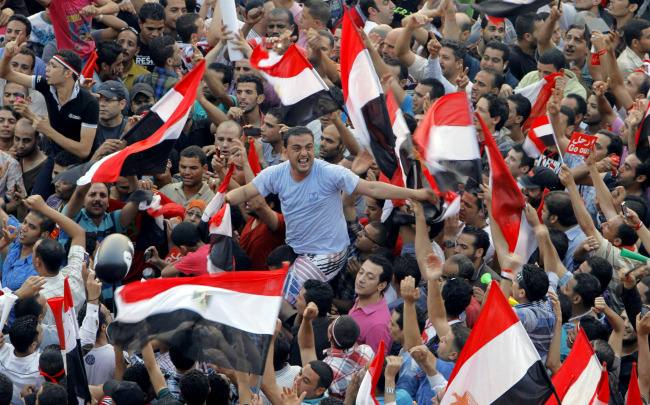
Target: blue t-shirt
column 312, row 208
column 401, row 398
column 407, row 104
column 14, row 270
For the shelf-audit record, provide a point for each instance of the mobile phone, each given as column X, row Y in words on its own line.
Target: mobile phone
column 636, row 268
column 87, row 259
column 624, row 209
column 147, row 255
column 252, row 131
column 644, row 310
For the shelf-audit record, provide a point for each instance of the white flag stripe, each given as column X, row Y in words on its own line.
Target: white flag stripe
column 526, row 242
column 363, row 396
column 530, row 148
column 291, row 90
column 452, row 143
column 225, row 227
column 471, row 377
column 584, row 387
column 247, row 312
column 544, row 130
column 531, row 92
column 166, row 106
column 359, row 94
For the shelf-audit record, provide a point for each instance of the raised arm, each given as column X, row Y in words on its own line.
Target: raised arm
column 306, row 335
column 545, row 33
column 76, row 203
column 242, row 194
column 602, row 192
column 422, row 243
column 614, row 319
column 155, row 375
column 547, row 251
column 12, row 49
column 385, row 191
column 579, row 208
column 435, row 303
column 403, row 43
column 77, row 234
column 412, row 332
column 553, row 358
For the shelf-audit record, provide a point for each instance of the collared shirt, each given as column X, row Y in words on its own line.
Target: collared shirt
column 54, row 285
column 538, row 319
column 576, row 236
column 14, row 270
column 135, row 71
column 628, row 61
column 110, row 224
column 612, row 254
column 173, row 383
column 160, row 79
column 174, row 192
column 373, row 321
column 344, row 364
column 573, row 86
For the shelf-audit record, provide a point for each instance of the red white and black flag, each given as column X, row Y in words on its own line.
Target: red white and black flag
column 303, row 93
column 68, row 331
column 522, row 377
column 538, row 94
column 365, row 100
column 366, row 394
column 448, row 142
column 230, row 316
column 509, row 8
column 642, row 140
column 540, row 137
column 221, row 258
column 152, row 138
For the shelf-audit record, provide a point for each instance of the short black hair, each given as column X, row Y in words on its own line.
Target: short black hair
column 223, row 68
column 138, row 374
column 6, row 390
column 500, row 46
column 280, row 254
column 186, row 26
column 420, row 316
column 194, row 151
column 643, row 169
column 219, row 389
column 581, row 103
column 21, row 18
column 66, row 159
column 47, row 225
column 186, row 234
column 525, row 159
column 324, row 372
column 615, row 143
column 553, row 57
column 558, row 203
column 593, row 328
column 51, row 361
column 497, row 107
column 248, row 78
column 403, row 70
column 605, row 353
column 28, row 306
column 151, row 11
column 437, row 89
column 281, row 351
column 461, row 334
column 277, row 112
column 29, row 52
column 107, row 52
column 525, row 24
column 23, row 332
column 403, row 266
column 182, row 350
column 381, row 237
column 570, row 114
column 386, row 269
column 637, row 204
column 72, row 59
column 627, row 234
column 465, row 266
column 457, row 295
column 535, row 282
column 346, row 332
column 51, row 254
column 560, row 242
column 481, row 238
column 319, row 10
column 194, row 387
column 458, row 47
column 321, row 294
column 52, row 394
column 161, row 49
column 587, row 287
column 296, row 131
column 522, row 106
column 602, row 270
column 497, row 78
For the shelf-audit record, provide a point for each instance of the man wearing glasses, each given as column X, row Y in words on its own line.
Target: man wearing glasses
column 73, row 111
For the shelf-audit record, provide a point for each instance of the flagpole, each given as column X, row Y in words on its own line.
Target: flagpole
column 259, row 385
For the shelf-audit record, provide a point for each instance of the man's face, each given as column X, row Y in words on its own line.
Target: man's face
column 174, row 9
column 584, row 5
column 24, row 141
column 270, row 129
column 367, row 282
column 465, row 247
column 277, row 24
column 191, row 171
column 301, row 303
column 30, row 230
column 629, row 334
column 177, row 58
column 513, row 161
column 7, row 125
column 633, row 82
column 366, row 239
column 449, row 270
column 602, row 143
column 643, row 289
column 116, row 68
column 396, row 333
column 16, row 31
column 446, row 351
column 330, row 143
column 337, row 42
column 129, row 42
column 610, row 228
column 545, row 69
column 575, row 47
column 512, row 115
column 247, row 97
column 385, row 10
column 418, row 96
column 373, row 210
column 55, row 73
column 483, row 83
column 96, row 201
column 482, row 109
column 447, row 62
column 151, row 29
column 12, row 92
column 139, row 100
column 469, row 208
column 627, row 172
column 325, row 47
column 22, row 63
column 573, row 105
column 62, row 189
column 388, row 50
column 592, row 117
column 300, row 152
column 620, row 8
column 307, row 381
column 200, row 28
column 224, row 139
column 568, row 289
column 533, row 195
column 109, row 108
column 492, row 58
column 307, row 20
column 242, row 67
column 493, row 32
column 644, row 41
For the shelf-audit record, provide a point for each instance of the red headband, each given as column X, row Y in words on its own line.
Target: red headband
column 51, row 377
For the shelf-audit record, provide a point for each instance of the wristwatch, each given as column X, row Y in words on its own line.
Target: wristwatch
column 389, row 391
column 449, row 244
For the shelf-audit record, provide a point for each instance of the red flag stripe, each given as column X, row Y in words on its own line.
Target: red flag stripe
column 223, row 187
column 293, row 62
column 253, row 159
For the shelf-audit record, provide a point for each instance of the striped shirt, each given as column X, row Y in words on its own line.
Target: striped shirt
column 344, row 364
column 538, row 320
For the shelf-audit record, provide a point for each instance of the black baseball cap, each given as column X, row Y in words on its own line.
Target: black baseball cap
column 540, row 177
column 113, row 88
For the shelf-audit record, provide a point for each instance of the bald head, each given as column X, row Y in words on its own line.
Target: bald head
column 388, row 50
column 381, row 30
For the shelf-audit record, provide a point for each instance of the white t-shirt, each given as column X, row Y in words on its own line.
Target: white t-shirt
column 20, row 370
column 100, row 364
column 42, row 31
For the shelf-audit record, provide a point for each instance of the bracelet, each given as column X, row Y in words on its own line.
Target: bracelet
column 505, row 273
column 636, row 228
column 450, row 18
column 95, row 299
column 101, row 17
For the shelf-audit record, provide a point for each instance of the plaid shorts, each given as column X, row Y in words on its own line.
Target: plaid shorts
column 312, row 267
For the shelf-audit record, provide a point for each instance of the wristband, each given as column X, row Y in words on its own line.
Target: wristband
column 505, row 273
column 450, row 18
column 636, row 228
column 95, row 299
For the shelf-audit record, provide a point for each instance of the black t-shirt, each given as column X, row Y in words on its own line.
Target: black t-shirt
column 142, row 58
column 521, row 62
column 81, row 110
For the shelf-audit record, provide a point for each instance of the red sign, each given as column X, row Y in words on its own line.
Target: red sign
column 580, row 144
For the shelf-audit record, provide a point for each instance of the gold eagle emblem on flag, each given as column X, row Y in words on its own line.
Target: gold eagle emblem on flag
column 202, row 299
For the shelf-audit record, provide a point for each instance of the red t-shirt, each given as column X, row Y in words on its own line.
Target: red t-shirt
column 195, row 263
column 259, row 242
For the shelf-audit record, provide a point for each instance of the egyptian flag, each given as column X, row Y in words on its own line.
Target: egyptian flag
column 217, row 201
column 231, row 316
column 303, row 93
column 253, row 158
column 508, row 203
column 365, row 100
column 633, row 391
column 221, row 257
column 602, row 393
column 509, row 8
column 89, row 68
column 576, row 381
column 447, row 141
column 521, row 376
column 68, row 331
column 403, row 141
column 152, row 138
column 356, row 15
column 538, row 95
column 541, row 205
column 366, row 395
column 641, row 140
column 540, row 137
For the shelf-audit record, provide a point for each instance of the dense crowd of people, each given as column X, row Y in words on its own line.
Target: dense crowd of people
column 359, row 273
